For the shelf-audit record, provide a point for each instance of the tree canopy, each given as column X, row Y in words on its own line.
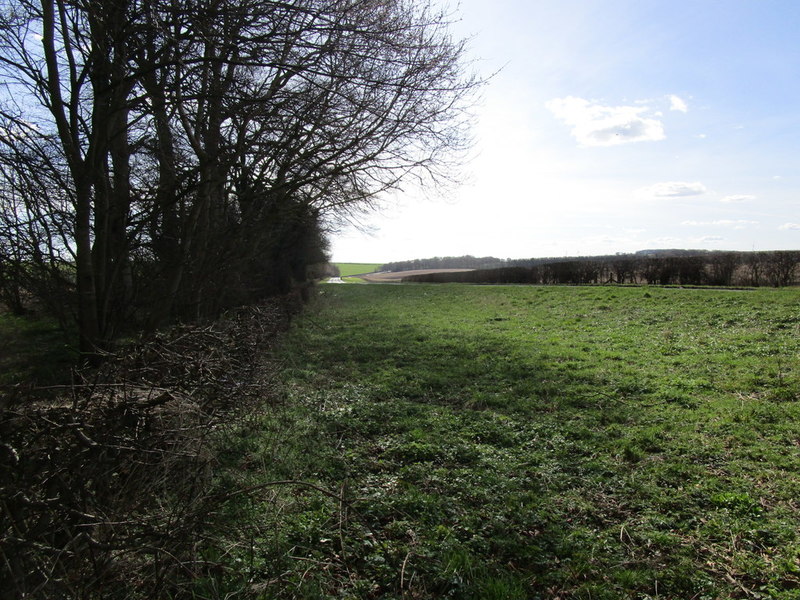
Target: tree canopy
column 164, row 159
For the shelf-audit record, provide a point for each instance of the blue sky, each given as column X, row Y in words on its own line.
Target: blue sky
column 615, row 126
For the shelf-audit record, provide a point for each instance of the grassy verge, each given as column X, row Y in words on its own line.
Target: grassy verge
column 521, row 442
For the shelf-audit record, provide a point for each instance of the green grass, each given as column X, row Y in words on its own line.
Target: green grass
column 34, row 351
column 525, row 442
column 350, row 269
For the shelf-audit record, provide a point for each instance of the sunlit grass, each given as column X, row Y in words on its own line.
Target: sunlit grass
column 350, row 269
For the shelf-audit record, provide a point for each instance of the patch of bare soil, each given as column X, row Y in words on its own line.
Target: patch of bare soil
column 397, row 277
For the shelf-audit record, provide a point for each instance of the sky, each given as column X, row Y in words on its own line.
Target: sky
column 614, row 126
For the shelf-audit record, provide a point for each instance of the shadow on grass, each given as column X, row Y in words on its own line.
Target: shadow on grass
column 523, row 443
column 469, row 465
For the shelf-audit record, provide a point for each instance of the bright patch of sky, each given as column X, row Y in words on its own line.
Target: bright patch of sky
column 615, row 126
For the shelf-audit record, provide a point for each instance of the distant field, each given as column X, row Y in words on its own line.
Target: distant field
column 397, row 276
column 350, row 269
column 526, row 442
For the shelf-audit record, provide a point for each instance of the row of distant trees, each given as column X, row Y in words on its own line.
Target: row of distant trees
column 492, row 262
column 778, row 268
column 446, row 262
column 165, row 159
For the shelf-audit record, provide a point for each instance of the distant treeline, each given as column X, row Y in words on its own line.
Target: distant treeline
column 492, row 262
column 447, row 262
column 656, row 267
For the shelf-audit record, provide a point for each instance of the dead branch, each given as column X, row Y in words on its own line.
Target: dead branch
column 107, row 485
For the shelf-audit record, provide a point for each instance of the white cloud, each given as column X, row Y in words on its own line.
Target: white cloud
column 737, row 198
column 596, row 125
column 664, row 242
column 790, row 226
column 712, row 238
column 676, row 103
column 674, row 189
column 736, row 224
column 18, row 130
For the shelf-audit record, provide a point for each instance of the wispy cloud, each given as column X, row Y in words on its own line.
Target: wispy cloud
column 673, row 189
column 736, row 224
column 676, row 103
column 790, row 226
column 594, row 124
column 737, row 198
column 665, row 242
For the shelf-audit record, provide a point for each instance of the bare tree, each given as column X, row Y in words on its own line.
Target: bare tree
column 721, row 267
column 780, row 267
column 199, row 147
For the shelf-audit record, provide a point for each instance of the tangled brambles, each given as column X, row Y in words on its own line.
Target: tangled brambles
column 106, row 488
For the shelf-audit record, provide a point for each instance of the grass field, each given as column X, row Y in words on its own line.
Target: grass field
column 34, row 351
column 350, row 269
column 525, row 442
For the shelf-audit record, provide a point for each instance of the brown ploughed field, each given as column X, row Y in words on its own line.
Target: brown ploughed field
column 397, row 277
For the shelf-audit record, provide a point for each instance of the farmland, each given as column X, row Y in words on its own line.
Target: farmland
column 522, row 442
column 398, row 276
column 350, row 269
